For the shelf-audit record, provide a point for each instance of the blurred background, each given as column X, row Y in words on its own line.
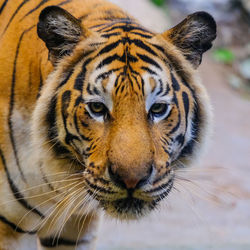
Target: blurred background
column 210, row 207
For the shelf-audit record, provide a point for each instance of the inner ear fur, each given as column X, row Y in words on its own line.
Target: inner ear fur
column 193, row 36
column 59, row 30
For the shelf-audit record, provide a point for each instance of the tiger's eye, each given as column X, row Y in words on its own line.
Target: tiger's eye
column 97, row 108
column 158, row 108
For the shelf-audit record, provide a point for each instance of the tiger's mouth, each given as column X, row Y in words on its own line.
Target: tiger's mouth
column 135, row 205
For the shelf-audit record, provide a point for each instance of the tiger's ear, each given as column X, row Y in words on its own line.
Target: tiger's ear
column 193, row 36
column 59, row 30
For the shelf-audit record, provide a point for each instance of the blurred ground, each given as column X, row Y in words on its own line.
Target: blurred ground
column 212, row 209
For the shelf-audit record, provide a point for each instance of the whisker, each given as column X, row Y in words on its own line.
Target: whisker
column 81, row 193
column 59, row 207
column 83, row 222
column 38, row 195
column 37, row 206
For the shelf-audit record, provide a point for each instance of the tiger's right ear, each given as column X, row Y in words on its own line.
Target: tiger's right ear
column 59, row 30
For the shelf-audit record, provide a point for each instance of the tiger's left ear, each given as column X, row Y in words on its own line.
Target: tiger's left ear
column 193, row 36
column 59, row 30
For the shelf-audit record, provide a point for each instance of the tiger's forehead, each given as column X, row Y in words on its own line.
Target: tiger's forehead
column 126, row 66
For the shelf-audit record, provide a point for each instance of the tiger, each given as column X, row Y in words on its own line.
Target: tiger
column 97, row 115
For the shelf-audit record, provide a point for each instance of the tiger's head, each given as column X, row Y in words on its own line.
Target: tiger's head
column 122, row 106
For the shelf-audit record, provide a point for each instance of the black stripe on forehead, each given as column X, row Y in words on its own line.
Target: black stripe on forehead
column 142, row 45
column 142, row 35
column 117, row 81
column 111, row 34
column 109, row 47
column 140, row 85
column 149, row 60
column 107, row 73
column 108, row 60
column 125, row 28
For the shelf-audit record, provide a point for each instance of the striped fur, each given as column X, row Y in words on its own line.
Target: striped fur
column 56, row 153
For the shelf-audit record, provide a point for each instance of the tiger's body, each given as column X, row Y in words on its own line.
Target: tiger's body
column 100, row 124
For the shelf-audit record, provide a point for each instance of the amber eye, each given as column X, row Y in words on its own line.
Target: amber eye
column 97, row 108
column 158, row 110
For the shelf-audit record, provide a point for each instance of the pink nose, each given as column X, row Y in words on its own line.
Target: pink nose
column 129, row 181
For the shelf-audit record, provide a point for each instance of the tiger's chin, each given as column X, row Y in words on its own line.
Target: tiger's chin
column 129, row 208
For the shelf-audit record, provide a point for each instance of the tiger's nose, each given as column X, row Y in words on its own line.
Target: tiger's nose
column 127, row 180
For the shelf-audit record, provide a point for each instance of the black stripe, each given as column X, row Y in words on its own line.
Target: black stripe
column 149, row 60
column 108, row 60
column 164, row 194
column 64, row 2
column 34, row 9
column 106, row 26
column 41, row 80
column 179, row 116
column 186, row 105
column 161, row 187
column 12, row 101
column 89, row 91
column 17, row 194
column 66, row 98
column 109, row 47
column 161, row 88
column 161, row 49
column 175, row 83
column 58, row 148
column 116, row 83
column 142, row 35
column 3, row 5
column 100, row 189
column 163, row 175
column 99, row 25
column 45, row 179
column 142, row 45
column 164, row 141
column 177, row 125
column 85, row 138
column 15, row 227
column 188, row 149
column 167, row 90
column 127, row 28
column 65, row 80
column 79, row 81
column 111, row 34
column 14, row 14
column 150, row 71
column 54, row 242
column 96, row 91
column 137, row 83
column 106, row 74
column 114, row 22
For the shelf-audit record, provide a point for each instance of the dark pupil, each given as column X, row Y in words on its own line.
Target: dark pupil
column 97, row 107
column 158, row 108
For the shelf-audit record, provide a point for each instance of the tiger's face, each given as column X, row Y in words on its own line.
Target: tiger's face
column 124, row 104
